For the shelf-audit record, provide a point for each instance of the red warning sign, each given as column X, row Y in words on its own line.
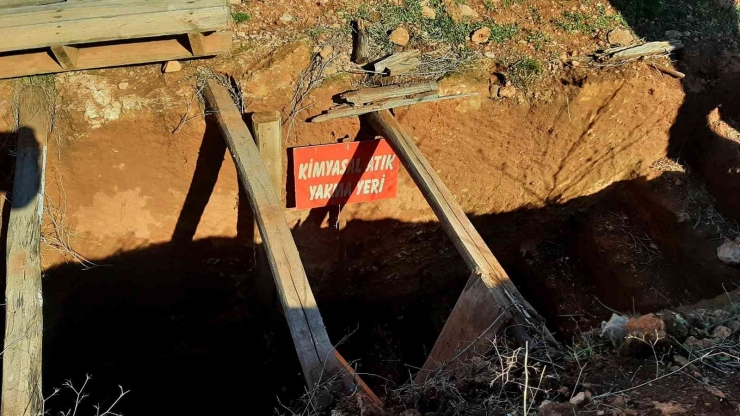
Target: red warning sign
column 344, row 173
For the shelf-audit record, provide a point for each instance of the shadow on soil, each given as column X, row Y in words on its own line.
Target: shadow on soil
column 182, row 324
column 711, row 62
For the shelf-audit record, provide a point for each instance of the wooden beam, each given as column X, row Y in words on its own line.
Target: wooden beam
column 21, row 383
column 266, row 127
column 66, row 56
column 397, row 60
column 353, row 111
column 315, row 352
column 197, row 44
column 369, row 95
column 71, row 23
column 489, row 298
column 142, row 51
column 361, row 49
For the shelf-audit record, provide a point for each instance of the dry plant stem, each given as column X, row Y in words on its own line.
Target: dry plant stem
column 652, row 345
column 703, row 357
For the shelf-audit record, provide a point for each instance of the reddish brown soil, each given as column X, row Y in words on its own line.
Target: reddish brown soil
column 559, row 185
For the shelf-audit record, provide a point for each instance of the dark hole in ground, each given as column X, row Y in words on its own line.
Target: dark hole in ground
column 181, row 325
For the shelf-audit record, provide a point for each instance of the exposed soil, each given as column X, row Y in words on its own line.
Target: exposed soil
column 567, row 181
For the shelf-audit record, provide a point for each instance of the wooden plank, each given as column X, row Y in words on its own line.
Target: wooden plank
column 396, row 59
column 314, row 349
column 361, row 47
column 19, row 3
column 98, row 21
column 352, row 111
column 646, row 49
column 369, row 95
column 197, row 44
column 16, row 64
column 21, row 386
column 266, row 127
column 66, row 56
column 489, row 292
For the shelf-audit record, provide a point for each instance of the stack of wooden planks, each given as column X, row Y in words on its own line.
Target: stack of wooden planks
column 85, row 34
column 369, row 100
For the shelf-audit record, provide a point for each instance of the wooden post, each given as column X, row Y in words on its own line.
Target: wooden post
column 21, row 384
column 315, row 352
column 197, row 44
column 66, row 56
column 268, row 137
column 361, row 50
column 489, row 299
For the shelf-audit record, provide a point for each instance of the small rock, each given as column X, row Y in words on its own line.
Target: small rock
column 681, row 360
column 286, row 17
column 507, row 92
column 673, row 34
column 171, row 66
column 123, row 85
column 620, row 37
column 619, row 401
column 729, row 252
column 581, row 398
column 715, row 392
column 699, row 344
column 721, row 332
column 326, row 51
column 481, row 35
column 614, row 330
column 468, row 12
column 669, row 409
column 563, row 390
column 734, row 325
column 428, row 12
column 400, row 36
column 460, row 12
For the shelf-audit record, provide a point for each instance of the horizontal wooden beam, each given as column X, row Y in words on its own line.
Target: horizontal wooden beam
column 354, row 111
column 489, row 298
column 369, row 95
column 71, row 23
column 16, row 64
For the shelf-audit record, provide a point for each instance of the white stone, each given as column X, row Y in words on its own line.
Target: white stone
column 729, row 251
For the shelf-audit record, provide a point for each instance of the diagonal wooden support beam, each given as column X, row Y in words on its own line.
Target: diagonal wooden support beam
column 21, row 384
column 489, row 299
column 315, row 351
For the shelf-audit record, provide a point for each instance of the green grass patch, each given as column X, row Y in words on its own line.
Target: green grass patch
column 538, row 40
column 525, row 71
column 240, row 17
column 578, row 22
column 387, row 16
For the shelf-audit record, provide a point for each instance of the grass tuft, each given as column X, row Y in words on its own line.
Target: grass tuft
column 240, row 17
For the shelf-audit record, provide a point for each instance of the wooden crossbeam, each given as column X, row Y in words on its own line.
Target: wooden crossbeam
column 354, row 111
column 489, row 299
column 317, row 356
column 21, row 383
column 71, row 23
column 65, row 58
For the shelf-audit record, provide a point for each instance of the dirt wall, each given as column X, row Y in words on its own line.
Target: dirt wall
column 123, row 177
